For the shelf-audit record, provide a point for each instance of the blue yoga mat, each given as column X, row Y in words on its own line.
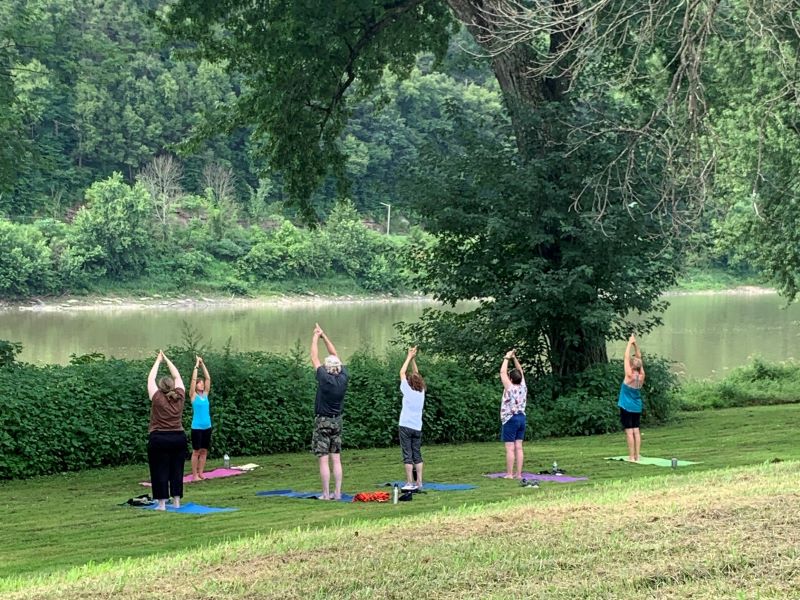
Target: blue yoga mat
column 300, row 495
column 190, row 508
column 437, row 487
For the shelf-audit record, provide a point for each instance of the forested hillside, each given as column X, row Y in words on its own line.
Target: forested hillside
column 121, row 168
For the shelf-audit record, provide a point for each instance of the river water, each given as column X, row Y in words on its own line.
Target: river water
column 705, row 334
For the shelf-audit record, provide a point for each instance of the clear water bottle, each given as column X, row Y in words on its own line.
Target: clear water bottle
column 395, row 494
column 226, row 461
column 555, row 468
column 674, row 463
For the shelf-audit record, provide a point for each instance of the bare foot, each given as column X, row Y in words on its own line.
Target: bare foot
column 201, row 478
column 339, row 497
column 508, row 476
column 161, row 508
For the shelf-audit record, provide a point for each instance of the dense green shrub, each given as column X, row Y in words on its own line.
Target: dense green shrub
column 94, row 412
column 583, row 406
column 25, row 261
column 758, row 383
column 112, row 232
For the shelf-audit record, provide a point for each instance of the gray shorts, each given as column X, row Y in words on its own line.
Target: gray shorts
column 410, row 444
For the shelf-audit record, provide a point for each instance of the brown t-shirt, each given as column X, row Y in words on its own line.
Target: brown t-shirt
column 166, row 415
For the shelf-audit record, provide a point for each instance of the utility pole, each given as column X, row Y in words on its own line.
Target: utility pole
column 388, row 216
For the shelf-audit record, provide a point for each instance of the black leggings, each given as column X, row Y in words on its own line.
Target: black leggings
column 166, row 452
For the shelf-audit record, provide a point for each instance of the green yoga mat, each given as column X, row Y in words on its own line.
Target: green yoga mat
column 658, row 462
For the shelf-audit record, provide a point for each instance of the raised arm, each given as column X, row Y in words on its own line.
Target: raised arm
column 174, row 372
column 193, row 382
column 152, row 386
column 627, row 361
column 517, row 366
column 504, row 369
column 412, row 352
column 314, row 347
column 639, row 356
column 328, row 343
column 206, row 375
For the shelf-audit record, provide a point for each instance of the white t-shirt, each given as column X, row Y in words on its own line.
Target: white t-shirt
column 413, row 401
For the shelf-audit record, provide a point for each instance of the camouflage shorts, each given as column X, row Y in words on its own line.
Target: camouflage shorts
column 327, row 438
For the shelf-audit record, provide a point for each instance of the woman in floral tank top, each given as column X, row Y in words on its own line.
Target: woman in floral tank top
column 512, row 414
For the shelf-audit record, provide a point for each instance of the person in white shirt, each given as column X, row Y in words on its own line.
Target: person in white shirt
column 413, row 388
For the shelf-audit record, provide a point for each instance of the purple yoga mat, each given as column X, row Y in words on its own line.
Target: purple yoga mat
column 208, row 475
column 556, row 478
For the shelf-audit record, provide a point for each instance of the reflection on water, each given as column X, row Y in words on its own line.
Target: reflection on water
column 706, row 334
column 50, row 337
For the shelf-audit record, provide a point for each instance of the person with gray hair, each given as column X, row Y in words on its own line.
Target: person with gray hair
column 327, row 438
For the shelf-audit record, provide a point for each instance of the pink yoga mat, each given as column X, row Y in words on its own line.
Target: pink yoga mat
column 556, row 478
column 208, row 475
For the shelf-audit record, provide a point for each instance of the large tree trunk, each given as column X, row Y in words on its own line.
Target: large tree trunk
column 570, row 357
column 571, row 349
column 523, row 92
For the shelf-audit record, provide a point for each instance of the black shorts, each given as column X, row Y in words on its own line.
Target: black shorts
column 629, row 420
column 201, row 439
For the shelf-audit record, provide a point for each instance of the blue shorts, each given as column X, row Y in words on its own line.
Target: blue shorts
column 514, row 428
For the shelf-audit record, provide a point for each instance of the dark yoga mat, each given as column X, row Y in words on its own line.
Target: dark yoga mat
column 300, row 495
column 190, row 508
column 554, row 478
column 437, row 487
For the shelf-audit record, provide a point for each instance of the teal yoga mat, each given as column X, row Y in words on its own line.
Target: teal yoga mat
column 658, row 462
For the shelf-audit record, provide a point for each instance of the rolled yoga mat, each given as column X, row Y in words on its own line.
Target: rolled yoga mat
column 215, row 474
column 657, row 462
column 554, row 478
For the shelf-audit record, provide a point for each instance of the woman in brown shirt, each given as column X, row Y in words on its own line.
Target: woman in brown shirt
column 166, row 446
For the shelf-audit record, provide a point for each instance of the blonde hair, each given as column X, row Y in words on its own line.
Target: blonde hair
column 636, row 362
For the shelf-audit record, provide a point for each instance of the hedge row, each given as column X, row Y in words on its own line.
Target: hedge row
column 95, row 412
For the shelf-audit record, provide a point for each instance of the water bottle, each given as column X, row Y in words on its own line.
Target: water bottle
column 226, row 461
column 674, row 463
column 555, row 468
column 395, row 494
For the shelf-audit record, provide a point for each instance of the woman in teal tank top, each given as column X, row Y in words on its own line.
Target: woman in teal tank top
column 630, row 399
column 201, row 419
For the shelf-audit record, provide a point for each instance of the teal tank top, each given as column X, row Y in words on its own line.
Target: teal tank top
column 630, row 398
column 201, row 413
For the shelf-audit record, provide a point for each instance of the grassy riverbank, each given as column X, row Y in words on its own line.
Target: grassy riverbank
column 717, row 280
column 220, row 286
column 719, row 534
column 54, row 523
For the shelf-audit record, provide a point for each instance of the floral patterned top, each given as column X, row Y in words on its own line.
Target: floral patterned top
column 515, row 397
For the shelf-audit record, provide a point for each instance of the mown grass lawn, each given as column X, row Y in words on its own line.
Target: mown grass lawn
column 53, row 523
